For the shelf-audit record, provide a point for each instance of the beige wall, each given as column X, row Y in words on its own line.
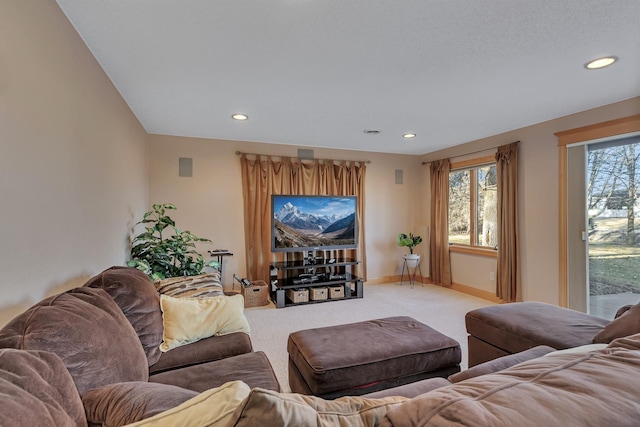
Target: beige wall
column 538, row 198
column 210, row 203
column 73, row 171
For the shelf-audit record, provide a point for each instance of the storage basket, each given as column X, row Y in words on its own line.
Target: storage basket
column 255, row 295
column 318, row 294
column 336, row 292
column 298, row 294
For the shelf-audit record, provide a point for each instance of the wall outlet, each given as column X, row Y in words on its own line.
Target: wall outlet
column 492, row 275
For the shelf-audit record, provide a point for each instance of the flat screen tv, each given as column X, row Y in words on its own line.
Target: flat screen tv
column 306, row 223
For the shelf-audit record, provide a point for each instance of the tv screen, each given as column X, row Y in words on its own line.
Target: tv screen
column 303, row 223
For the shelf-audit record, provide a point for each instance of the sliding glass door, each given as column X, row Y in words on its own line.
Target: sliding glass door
column 613, row 224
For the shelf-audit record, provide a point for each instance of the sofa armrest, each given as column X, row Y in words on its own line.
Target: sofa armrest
column 501, row 363
column 203, row 351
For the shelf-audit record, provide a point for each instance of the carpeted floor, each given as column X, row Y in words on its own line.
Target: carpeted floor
column 440, row 308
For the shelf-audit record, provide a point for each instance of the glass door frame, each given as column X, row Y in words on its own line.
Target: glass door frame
column 612, row 128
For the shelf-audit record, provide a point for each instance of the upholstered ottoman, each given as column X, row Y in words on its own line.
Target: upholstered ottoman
column 364, row 357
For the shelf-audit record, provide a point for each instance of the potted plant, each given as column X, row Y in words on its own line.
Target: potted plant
column 410, row 241
column 162, row 250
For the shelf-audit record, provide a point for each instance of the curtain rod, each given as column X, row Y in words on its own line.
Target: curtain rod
column 326, row 160
column 478, row 151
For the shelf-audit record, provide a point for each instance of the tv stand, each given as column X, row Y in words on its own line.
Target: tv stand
column 313, row 272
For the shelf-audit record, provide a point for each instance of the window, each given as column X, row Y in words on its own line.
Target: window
column 473, row 204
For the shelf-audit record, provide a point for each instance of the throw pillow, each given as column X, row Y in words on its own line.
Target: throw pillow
column 627, row 324
column 270, row 408
column 214, row 407
column 188, row 320
column 129, row 402
column 202, row 285
column 37, row 390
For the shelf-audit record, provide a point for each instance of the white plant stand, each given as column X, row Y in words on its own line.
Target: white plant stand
column 408, row 264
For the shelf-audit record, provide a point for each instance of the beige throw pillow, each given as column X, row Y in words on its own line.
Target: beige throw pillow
column 213, row 407
column 269, row 408
column 188, row 320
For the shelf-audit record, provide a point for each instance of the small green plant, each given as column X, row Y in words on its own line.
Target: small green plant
column 163, row 250
column 409, row 241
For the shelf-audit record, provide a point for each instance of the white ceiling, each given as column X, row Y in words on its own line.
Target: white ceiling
column 317, row 73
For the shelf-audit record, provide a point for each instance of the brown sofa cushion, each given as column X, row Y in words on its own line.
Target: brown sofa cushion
column 254, row 369
column 37, row 390
column 628, row 323
column 88, row 331
column 125, row 403
column 138, row 299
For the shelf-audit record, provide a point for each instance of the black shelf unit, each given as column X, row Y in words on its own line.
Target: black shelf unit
column 286, row 275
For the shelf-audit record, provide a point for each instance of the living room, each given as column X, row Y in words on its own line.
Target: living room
column 79, row 170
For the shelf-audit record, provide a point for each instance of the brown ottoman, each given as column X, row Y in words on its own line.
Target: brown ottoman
column 364, row 357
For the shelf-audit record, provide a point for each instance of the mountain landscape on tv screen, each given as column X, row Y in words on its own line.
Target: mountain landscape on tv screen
column 295, row 228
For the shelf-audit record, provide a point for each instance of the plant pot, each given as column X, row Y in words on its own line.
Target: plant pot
column 412, row 260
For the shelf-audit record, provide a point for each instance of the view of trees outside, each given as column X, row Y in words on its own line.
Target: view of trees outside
column 473, row 198
column 612, row 203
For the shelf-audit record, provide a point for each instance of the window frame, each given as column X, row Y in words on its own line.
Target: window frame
column 473, row 248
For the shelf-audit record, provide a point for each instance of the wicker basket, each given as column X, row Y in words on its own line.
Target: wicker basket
column 336, row 292
column 298, row 295
column 255, row 295
column 318, row 294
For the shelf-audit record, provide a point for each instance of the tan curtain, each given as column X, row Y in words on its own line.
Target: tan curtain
column 508, row 275
column 265, row 176
column 439, row 262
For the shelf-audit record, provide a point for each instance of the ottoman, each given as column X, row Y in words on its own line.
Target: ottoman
column 364, row 357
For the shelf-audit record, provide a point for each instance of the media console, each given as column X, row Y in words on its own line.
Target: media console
column 313, row 275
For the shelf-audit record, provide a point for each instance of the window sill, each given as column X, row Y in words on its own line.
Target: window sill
column 473, row 250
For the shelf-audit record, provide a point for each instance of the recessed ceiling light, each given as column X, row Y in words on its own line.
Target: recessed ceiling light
column 409, row 135
column 239, row 117
column 371, row 131
column 600, row 62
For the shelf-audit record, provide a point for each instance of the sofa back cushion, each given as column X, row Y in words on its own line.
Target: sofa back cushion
column 138, row 299
column 88, row 331
column 37, row 390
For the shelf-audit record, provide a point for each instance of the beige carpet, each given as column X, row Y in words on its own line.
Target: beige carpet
column 440, row 308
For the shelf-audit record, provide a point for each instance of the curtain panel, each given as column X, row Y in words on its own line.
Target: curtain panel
column 439, row 261
column 508, row 287
column 264, row 176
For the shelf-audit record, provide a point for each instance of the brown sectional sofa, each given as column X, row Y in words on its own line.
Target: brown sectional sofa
column 88, row 357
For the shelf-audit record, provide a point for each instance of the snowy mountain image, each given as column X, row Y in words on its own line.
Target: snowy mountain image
column 314, row 221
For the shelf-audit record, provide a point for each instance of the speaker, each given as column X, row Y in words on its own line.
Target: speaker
column 185, row 167
column 399, row 176
column 305, row 154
